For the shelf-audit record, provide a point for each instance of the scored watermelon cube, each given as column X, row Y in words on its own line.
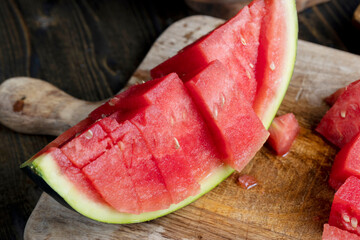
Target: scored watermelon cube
column 75, row 175
column 148, row 181
column 235, row 44
column 111, row 179
column 345, row 209
column 346, row 163
column 239, row 132
column 342, row 122
column 87, row 146
column 167, row 152
column 334, row 233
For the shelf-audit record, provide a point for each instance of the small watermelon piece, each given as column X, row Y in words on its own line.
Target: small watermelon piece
column 235, row 44
column 167, row 153
column 345, row 209
column 148, row 181
column 116, row 186
column 240, row 136
column 346, row 163
column 334, row 97
column 87, row 146
column 342, row 122
column 334, row 233
column 283, row 131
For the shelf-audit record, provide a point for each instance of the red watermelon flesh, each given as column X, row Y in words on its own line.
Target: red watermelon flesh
column 346, row 163
column 240, row 136
column 87, row 146
column 234, row 43
column 149, row 183
column 345, row 209
column 111, row 179
column 167, row 152
column 334, row 233
column 171, row 97
column 270, row 65
column 342, row 122
column 75, row 175
column 334, row 97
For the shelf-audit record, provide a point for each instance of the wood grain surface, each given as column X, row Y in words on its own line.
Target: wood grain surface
column 292, row 200
column 89, row 49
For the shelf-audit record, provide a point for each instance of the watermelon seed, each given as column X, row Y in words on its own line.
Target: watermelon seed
column 343, row 113
column 103, row 116
column 251, row 65
column 346, row 218
column 113, row 101
column 272, row 66
column 354, row 222
column 121, row 145
column 177, row 145
column 222, row 99
column 215, row 112
column 89, row 134
column 172, row 121
column 77, row 134
column 243, row 41
column 248, row 74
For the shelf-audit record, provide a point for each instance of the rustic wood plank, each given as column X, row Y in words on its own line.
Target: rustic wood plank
column 293, row 198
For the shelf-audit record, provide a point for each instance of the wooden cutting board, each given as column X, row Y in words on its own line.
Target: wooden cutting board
column 292, row 199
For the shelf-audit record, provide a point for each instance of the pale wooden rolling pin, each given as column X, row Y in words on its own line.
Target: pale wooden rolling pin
column 33, row 106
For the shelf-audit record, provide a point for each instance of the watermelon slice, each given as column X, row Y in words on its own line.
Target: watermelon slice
column 345, row 209
column 167, row 152
column 141, row 166
column 240, row 136
column 46, row 165
column 342, row 122
column 235, row 44
column 346, row 163
column 116, row 186
column 334, row 233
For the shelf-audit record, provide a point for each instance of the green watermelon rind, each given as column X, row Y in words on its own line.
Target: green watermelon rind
column 46, row 167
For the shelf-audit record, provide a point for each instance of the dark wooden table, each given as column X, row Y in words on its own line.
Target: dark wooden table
column 89, row 49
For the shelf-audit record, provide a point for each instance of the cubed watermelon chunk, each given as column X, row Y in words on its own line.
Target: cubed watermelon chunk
column 167, row 152
column 235, row 44
column 345, row 209
column 346, row 163
column 75, row 175
column 148, row 181
column 334, row 233
column 283, row 131
column 342, row 122
column 240, row 136
column 116, row 186
column 86, row 147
